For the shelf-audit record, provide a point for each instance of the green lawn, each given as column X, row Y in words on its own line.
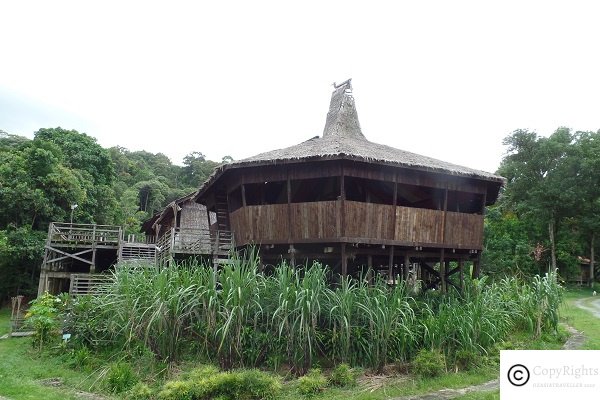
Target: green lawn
column 21, row 370
column 581, row 319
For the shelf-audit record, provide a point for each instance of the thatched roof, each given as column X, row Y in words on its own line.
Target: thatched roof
column 343, row 139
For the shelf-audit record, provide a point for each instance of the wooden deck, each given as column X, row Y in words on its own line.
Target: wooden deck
column 75, row 253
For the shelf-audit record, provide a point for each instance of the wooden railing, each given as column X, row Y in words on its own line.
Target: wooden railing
column 359, row 221
column 82, row 284
column 193, row 241
column 65, row 233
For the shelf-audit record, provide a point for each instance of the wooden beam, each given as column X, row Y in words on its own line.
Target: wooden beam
column 69, row 255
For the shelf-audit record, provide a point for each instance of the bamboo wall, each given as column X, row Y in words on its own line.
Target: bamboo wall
column 355, row 221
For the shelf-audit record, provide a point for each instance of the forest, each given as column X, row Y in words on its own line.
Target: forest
column 41, row 178
column 546, row 216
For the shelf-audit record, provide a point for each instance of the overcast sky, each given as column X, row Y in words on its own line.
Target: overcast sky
column 447, row 79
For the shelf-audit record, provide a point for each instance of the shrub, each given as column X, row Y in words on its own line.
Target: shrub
column 80, row 357
column 342, row 376
column 120, row 377
column 208, row 383
column 429, row 363
column 312, row 383
column 140, row 391
column 42, row 317
column 466, row 359
column 176, row 390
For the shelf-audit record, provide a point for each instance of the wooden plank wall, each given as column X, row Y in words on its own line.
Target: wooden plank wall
column 315, row 220
column 418, row 225
column 368, row 220
column 322, row 220
column 257, row 224
column 464, row 230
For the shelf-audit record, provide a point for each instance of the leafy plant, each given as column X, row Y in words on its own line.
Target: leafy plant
column 43, row 318
column 312, row 383
column 120, row 377
column 429, row 363
column 342, row 376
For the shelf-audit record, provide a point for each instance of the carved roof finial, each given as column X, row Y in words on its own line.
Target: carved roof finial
column 342, row 119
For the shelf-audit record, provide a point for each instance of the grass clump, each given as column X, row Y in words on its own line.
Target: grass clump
column 312, row 383
column 207, row 383
column 429, row 363
column 140, row 391
column 120, row 377
column 342, row 376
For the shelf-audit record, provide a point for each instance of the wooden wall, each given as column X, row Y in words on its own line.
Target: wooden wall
column 322, row 221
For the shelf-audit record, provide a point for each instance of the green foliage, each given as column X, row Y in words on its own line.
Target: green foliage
column 41, row 178
column 120, row 377
column 43, row 318
column 207, row 384
column 176, row 390
column 342, row 376
column 20, row 252
column 238, row 317
column 429, row 363
column 465, row 360
column 140, row 391
column 312, row 383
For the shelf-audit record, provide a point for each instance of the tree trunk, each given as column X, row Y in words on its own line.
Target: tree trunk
column 592, row 260
column 552, row 244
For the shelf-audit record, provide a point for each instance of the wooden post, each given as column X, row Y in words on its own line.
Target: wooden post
column 243, row 195
column 342, row 201
column 292, row 251
column 443, row 270
column 344, row 261
column 289, row 206
column 406, row 265
column 476, row 267
column 370, row 268
column 461, row 273
column 391, row 276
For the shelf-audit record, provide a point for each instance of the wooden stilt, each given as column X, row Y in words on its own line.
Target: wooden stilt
column 442, row 271
column 391, row 277
column 344, row 261
column 292, row 251
column 476, row 266
column 461, row 274
column 406, row 269
column 370, row 268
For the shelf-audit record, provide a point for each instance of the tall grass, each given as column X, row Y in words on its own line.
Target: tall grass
column 239, row 317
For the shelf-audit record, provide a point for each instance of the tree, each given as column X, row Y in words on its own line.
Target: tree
column 541, row 181
column 196, row 169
